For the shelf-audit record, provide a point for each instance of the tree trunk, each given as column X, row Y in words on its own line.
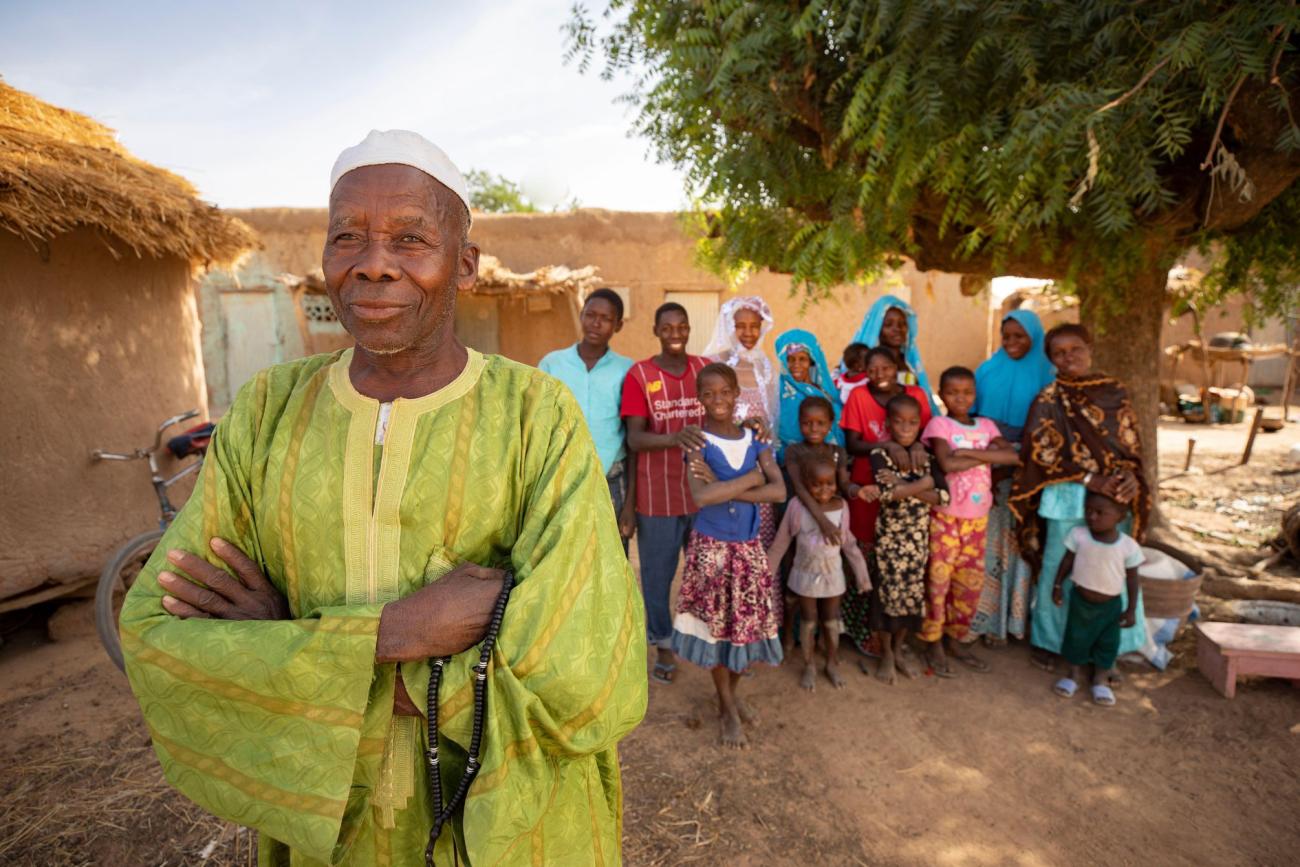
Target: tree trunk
column 1126, row 322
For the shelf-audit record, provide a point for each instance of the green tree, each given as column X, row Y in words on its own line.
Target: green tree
column 494, row 194
column 1086, row 141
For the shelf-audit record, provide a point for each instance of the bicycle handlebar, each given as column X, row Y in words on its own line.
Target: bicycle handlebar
column 176, row 419
column 101, row 455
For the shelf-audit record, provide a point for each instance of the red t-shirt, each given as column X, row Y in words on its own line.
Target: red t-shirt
column 668, row 404
column 864, row 414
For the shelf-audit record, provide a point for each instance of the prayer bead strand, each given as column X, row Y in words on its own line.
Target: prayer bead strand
column 440, row 813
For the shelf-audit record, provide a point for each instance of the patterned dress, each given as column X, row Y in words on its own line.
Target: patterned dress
column 902, row 552
column 728, row 613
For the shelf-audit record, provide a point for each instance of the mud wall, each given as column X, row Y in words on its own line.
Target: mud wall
column 650, row 255
column 96, row 352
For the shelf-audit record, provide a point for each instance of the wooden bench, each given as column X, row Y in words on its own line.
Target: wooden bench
column 1226, row 650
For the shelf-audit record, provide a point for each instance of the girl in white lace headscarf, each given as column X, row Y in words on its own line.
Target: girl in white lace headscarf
column 754, row 370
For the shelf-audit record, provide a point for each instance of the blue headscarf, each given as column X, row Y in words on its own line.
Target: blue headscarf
column 1004, row 387
column 869, row 334
column 792, row 393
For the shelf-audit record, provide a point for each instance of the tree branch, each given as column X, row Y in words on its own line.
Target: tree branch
column 1141, row 83
column 1223, row 117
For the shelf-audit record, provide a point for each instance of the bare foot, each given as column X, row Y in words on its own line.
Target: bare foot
column 730, row 732
column 908, row 664
column 1112, row 677
column 833, row 675
column 864, row 666
column 787, row 649
column 808, row 680
column 746, row 712
column 885, row 672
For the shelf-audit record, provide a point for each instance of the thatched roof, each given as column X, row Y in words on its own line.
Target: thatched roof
column 494, row 279
column 60, row 169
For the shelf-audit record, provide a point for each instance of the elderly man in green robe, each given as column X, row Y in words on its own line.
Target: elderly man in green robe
column 352, row 521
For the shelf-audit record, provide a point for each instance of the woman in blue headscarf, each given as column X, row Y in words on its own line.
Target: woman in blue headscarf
column 891, row 322
column 1005, row 386
column 807, row 376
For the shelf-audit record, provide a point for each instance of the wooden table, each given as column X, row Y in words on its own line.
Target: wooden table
column 1226, row 650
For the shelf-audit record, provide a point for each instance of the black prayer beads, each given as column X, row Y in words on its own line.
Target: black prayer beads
column 440, row 813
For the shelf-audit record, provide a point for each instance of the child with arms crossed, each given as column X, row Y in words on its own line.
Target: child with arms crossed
column 967, row 448
column 727, row 617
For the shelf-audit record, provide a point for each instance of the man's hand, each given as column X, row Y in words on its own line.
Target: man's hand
column 1127, row 619
column 627, row 520
column 448, row 616
column 250, row 598
column 1058, row 594
column 690, row 438
column 758, row 425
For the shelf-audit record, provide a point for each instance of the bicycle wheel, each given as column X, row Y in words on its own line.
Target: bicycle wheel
column 114, row 581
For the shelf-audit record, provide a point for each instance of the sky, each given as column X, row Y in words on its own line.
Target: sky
column 252, row 101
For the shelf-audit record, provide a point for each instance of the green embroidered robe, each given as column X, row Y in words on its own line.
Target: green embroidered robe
column 287, row 726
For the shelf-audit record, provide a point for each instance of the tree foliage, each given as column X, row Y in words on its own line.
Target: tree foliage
column 1050, row 138
column 494, row 194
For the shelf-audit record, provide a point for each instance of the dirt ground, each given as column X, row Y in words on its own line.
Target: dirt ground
column 982, row 770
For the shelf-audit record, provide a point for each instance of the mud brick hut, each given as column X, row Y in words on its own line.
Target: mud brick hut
column 98, row 252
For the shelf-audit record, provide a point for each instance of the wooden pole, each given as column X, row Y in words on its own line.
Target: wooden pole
column 1191, row 447
column 1250, row 440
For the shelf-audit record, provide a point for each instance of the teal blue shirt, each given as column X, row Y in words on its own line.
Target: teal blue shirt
column 599, row 392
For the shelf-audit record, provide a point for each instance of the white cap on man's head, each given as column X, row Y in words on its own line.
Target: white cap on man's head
column 406, row 148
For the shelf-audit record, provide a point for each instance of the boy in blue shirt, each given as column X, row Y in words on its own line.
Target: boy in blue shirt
column 595, row 373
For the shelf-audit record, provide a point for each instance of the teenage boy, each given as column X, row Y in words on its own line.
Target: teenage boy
column 663, row 422
column 595, row 373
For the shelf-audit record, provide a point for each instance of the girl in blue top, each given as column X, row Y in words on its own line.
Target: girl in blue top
column 727, row 611
column 804, row 374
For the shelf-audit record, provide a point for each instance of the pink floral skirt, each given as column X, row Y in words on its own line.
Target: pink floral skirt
column 726, row 610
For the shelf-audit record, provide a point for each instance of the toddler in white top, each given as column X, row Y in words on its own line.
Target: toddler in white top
column 1102, row 562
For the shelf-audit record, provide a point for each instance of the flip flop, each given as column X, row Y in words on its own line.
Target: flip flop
column 1065, row 688
column 1103, row 695
column 663, row 672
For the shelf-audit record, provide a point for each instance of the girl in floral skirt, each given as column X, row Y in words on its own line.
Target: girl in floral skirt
column 727, row 617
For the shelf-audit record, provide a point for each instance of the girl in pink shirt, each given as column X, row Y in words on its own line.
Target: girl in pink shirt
column 967, row 448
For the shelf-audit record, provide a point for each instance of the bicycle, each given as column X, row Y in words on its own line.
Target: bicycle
column 121, row 570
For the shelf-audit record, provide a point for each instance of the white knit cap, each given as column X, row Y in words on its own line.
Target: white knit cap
column 405, row 148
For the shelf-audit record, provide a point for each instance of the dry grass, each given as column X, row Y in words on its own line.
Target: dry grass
column 107, row 804
column 60, row 169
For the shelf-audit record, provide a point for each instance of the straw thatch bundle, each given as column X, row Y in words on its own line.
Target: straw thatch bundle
column 60, row 169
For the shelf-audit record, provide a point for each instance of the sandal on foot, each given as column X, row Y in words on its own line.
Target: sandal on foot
column 1065, row 688
column 1103, row 695
column 663, row 672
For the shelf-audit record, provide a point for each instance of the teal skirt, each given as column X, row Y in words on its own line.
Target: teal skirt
column 1048, row 630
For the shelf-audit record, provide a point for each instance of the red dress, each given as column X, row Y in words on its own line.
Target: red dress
column 866, row 416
